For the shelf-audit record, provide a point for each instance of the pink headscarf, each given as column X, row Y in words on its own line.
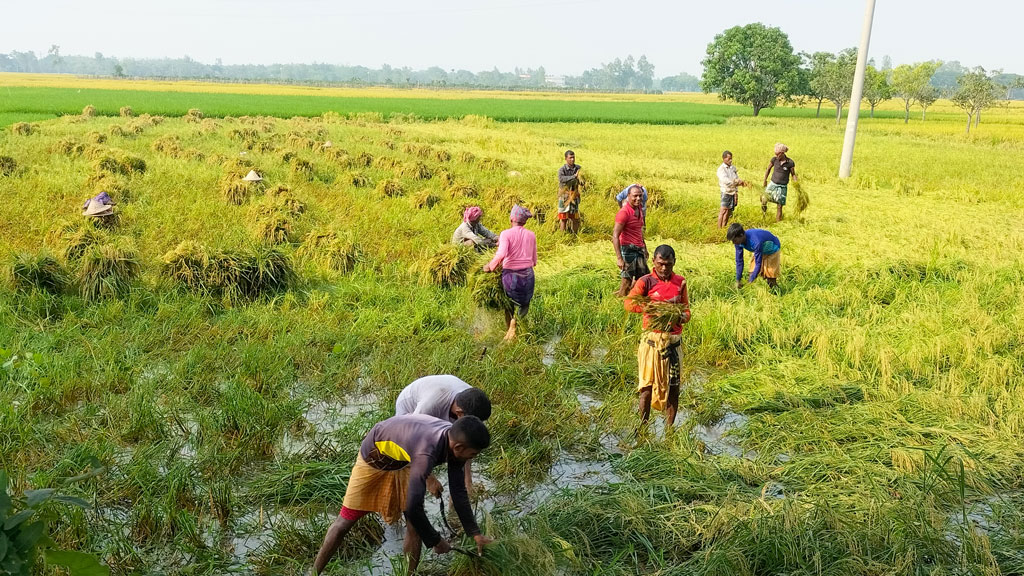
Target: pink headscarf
column 472, row 214
column 520, row 215
column 780, row 147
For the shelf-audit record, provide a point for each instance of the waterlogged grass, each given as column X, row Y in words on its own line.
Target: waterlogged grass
column 867, row 420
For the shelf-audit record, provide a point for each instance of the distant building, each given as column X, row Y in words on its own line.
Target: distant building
column 555, row 80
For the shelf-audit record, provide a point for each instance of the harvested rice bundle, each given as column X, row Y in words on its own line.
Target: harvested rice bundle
column 419, row 171
column 447, row 267
column 358, row 180
column 425, row 199
column 208, row 126
column 326, row 248
column 337, row 155
column 411, row 148
column 192, row 154
column 236, row 191
column 264, row 271
column 802, row 199
column 445, row 176
column 89, row 111
column 169, row 144
column 281, row 198
column 68, row 147
column 114, row 186
column 189, row 264
column 96, row 137
column 22, row 128
column 75, row 238
column 391, row 188
column 117, row 130
column 119, row 163
column 288, row 155
column 243, row 133
column 389, row 144
column 299, row 141
column 463, row 191
column 147, row 120
column 466, row 157
column 442, row 155
column 364, row 159
column 273, row 228
column 655, row 196
column 37, row 271
column 662, row 315
column 494, row 164
column 194, row 115
column 511, row 555
column 488, row 291
column 125, row 112
column 386, row 163
column 8, row 166
column 302, row 169
column 261, row 146
column 107, row 270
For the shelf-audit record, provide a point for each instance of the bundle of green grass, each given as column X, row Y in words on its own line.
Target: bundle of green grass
column 802, row 199
column 488, row 291
column 447, row 267
column 107, row 270
column 37, row 271
column 662, row 315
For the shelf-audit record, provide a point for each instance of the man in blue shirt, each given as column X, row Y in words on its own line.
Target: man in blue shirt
column 767, row 252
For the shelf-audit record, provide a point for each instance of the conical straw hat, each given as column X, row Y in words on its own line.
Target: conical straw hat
column 97, row 208
column 252, row 176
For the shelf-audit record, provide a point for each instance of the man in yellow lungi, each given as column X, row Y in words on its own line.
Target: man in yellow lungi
column 390, row 477
column 658, row 354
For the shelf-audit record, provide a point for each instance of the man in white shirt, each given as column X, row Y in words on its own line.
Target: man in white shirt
column 445, row 397
column 729, row 183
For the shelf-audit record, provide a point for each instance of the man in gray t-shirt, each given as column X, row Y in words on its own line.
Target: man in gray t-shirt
column 445, row 397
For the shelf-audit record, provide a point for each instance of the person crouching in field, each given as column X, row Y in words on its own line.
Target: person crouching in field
column 767, row 250
column 729, row 183
column 446, row 397
column 628, row 240
column 780, row 167
column 390, row 475
column 569, row 181
column 658, row 354
column 472, row 232
column 517, row 255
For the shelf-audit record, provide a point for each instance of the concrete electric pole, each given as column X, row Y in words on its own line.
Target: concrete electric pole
column 846, row 162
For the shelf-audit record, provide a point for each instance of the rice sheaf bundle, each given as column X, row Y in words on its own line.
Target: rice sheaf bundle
column 488, row 291
column 447, row 267
column 802, row 200
column 107, row 270
column 8, row 165
column 41, row 271
column 661, row 315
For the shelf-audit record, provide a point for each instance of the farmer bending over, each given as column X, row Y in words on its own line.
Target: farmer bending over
column 569, row 180
column 729, row 183
column 767, row 251
column 472, row 232
column 658, row 354
column 780, row 167
column 390, row 476
column 628, row 241
column 448, row 398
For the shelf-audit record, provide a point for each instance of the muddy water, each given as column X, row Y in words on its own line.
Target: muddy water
column 719, row 438
column 550, row 357
column 324, row 419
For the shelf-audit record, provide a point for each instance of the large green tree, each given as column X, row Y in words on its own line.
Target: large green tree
column 876, row 87
column 977, row 90
column 910, row 83
column 834, row 79
column 752, row 64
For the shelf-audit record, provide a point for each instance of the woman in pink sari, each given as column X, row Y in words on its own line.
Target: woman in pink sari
column 517, row 255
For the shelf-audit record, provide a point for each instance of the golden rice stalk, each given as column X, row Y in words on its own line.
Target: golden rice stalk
column 390, row 188
column 802, row 199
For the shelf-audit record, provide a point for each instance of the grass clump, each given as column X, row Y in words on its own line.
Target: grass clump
column 390, row 188
column 125, row 112
column 447, row 267
column 107, row 270
column 37, row 271
column 326, row 248
column 8, row 166
column 22, row 128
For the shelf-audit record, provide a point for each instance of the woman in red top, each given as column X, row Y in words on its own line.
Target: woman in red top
column 658, row 354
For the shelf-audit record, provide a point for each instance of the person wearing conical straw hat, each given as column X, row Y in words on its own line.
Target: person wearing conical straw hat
column 472, row 232
column 658, row 356
column 252, row 176
column 781, row 168
column 98, row 206
column 517, row 255
column 389, row 478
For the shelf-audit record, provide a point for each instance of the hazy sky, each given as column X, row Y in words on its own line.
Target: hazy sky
column 564, row 36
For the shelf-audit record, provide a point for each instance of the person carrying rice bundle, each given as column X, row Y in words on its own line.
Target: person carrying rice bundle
column 780, row 167
column 448, row 398
column 517, row 255
column 390, row 475
column 663, row 299
column 569, row 183
column 472, row 232
column 767, row 251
